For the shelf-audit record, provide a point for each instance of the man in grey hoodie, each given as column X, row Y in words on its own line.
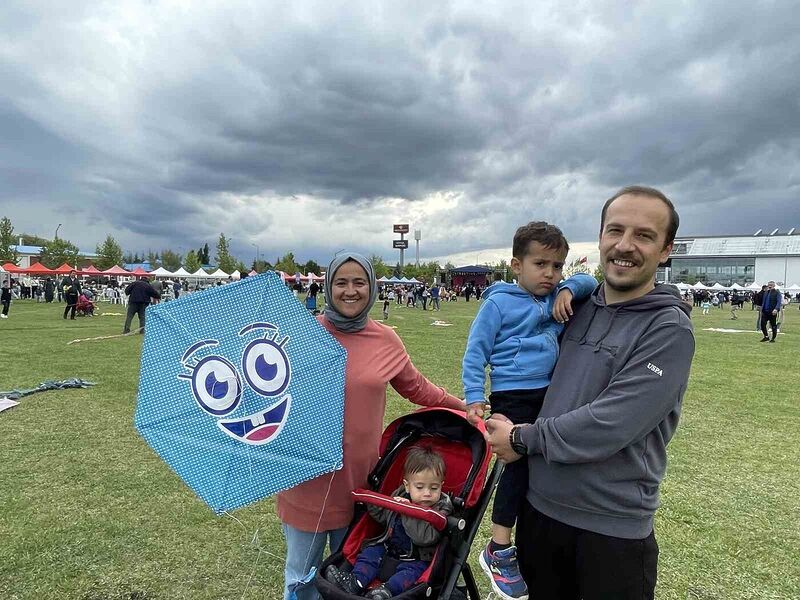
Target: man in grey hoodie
column 597, row 452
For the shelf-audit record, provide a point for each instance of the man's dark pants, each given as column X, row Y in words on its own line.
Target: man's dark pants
column 135, row 308
column 561, row 562
column 768, row 317
column 6, row 304
column 72, row 303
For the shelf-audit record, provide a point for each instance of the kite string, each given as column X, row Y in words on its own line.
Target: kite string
column 321, row 512
column 257, row 540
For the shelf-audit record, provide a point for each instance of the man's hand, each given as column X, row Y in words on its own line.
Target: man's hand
column 562, row 307
column 475, row 412
column 775, row 311
column 498, row 427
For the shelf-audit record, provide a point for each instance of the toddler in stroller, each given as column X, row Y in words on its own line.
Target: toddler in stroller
column 374, row 556
column 407, row 540
column 84, row 307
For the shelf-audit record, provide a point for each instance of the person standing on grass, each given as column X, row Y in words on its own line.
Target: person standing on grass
column 516, row 333
column 140, row 293
column 596, row 454
column 770, row 307
column 317, row 512
column 71, row 287
column 5, row 298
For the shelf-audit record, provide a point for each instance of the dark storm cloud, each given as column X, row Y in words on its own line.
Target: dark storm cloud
column 166, row 125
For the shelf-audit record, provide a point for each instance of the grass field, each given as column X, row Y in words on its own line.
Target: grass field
column 90, row 512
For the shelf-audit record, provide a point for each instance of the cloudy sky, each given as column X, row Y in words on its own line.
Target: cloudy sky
column 314, row 126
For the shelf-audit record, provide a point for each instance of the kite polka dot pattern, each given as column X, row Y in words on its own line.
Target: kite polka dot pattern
column 241, row 391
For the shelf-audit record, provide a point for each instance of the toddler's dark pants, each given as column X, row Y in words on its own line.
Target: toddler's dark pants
column 368, row 565
column 521, row 406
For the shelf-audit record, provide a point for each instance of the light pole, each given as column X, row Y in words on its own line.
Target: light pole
column 55, row 237
column 258, row 254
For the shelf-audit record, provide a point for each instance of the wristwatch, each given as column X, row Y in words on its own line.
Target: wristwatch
column 515, row 439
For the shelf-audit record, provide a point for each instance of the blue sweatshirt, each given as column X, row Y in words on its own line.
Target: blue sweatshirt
column 515, row 334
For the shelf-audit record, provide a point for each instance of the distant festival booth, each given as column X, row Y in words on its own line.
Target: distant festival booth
column 461, row 276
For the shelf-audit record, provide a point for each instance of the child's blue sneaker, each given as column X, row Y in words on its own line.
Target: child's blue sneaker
column 503, row 572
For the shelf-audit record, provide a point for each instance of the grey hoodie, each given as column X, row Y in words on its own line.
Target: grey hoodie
column 598, row 449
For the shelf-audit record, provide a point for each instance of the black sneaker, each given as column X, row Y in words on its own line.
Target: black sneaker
column 765, row 339
column 344, row 580
column 379, row 593
column 772, row 341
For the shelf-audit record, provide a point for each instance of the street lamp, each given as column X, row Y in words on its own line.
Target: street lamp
column 55, row 237
column 258, row 254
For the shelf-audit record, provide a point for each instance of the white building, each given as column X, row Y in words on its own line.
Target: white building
column 733, row 259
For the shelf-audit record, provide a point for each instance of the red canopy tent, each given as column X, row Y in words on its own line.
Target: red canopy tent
column 65, row 269
column 38, row 269
column 90, row 270
column 140, row 272
column 10, row 267
column 115, row 271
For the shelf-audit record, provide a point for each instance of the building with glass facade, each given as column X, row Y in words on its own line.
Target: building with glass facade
column 732, row 259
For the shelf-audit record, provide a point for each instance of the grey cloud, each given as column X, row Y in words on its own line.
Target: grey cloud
column 528, row 111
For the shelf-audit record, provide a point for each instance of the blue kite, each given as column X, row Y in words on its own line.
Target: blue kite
column 241, row 391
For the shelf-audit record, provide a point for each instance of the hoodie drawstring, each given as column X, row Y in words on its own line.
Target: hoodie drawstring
column 608, row 328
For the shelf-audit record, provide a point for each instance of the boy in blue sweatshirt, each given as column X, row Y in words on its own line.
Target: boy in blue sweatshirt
column 516, row 333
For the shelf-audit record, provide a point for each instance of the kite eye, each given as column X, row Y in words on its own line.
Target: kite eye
column 266, row 367
column 216, row 385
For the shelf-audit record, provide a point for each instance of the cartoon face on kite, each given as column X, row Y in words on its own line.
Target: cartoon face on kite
column 217, row 385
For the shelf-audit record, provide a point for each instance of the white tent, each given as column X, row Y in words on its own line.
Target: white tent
column 219, row 274
column 162, row 272
column 182, row 273
column 700, row 286
column 201, row 274
column 754, row 286
column 236, row 274
column 718, row 286
column 383, row 279
column 682, row 286
column 793, row 289
column 737, row 287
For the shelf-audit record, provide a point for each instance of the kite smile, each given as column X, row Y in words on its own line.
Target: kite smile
column 261, row 427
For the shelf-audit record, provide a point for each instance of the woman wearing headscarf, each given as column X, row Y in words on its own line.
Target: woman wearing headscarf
column 319, row 510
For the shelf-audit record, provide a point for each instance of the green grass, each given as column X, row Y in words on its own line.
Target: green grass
column 90, row 512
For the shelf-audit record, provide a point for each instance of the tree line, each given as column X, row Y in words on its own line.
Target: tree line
column 57, row 251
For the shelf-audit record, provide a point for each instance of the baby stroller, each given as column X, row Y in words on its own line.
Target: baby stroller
column 467, row 456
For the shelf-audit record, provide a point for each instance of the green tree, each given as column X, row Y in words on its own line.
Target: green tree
column 171, row 260
column 599, row 274
column 8, row 250
column 58, row 252
column 153, row 259
column 576, row 267
column 192, row 262
column 381, row 269
column 312, row 267
column 240, row 266
column 287, row 264
column 109, row 253
column 225, row 261
column 32, row 240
